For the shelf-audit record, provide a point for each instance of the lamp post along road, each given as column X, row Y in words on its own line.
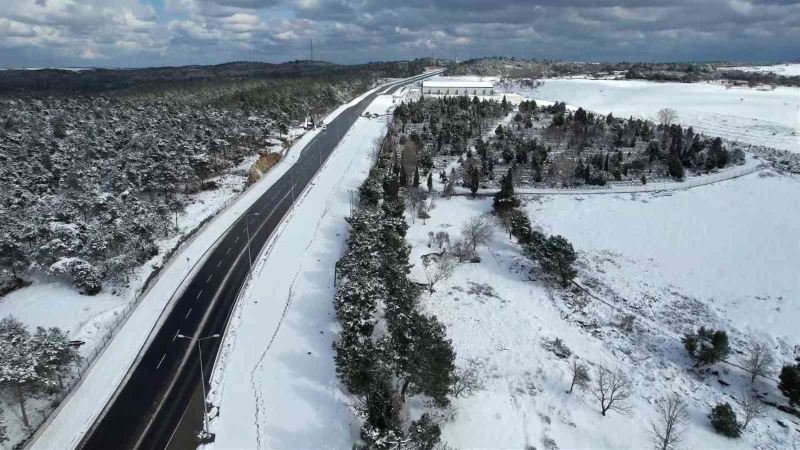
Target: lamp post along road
column 202, row 376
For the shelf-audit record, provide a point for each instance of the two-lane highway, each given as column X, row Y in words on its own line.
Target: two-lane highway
column 145, row 411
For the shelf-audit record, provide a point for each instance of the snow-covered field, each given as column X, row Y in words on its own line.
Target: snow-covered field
column 723, row 255
column 275, row 384
column 761, row 117
column 788, row 69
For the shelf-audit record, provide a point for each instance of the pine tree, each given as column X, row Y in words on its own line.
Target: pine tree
column 789, row 383
column 415, row 182
column 474, row 180
column 430, row 181
column 558, row 258
column 21, row 368
column 505, row 199
column 403, row 178
column 706, row 346
column 723, row 419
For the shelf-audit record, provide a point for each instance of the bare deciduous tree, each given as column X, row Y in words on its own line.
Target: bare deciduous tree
column 466, row 381
column 462, row 250
column 476, row 231
column 437, row 268
column 580, row 375
column 753, row 408
column 670, row 424
column 441, row 238
column 414, row 197
column 758, row 360
column 667, row 115
column 612, row 389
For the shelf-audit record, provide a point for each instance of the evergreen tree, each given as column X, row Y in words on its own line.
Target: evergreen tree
column 21, row 368
column 675, row 166
column 424, row 433
column 558, row 258
column 474, row 180
column 505, row 199
column 789, row 383
column 706, row 346
column 415, row 182
column 723, row 419
column 425, row 358
column 403, row 178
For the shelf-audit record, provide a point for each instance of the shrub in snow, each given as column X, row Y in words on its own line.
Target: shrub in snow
column 789, row 383
column 558, row 348
column 84, row 276
column 723, row 419
column 424, row 433
column 706, row 346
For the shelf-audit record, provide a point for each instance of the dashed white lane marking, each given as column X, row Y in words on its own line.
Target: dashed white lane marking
column 187, row 313
column 228, row 250
column 161, row 360
column 209, row 278
column 176, row 335
column 198, row 294
column 219, row 262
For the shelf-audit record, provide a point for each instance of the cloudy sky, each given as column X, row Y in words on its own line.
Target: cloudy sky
column 62, row 33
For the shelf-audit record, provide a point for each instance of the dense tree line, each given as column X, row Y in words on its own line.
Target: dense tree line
column 383, row 358
column 90, row 183
column 683, row 72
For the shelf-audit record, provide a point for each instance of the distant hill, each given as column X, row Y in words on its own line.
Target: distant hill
column 93, row 81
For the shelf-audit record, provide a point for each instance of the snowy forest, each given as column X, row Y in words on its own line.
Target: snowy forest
column 550, row 146
column 90, row 182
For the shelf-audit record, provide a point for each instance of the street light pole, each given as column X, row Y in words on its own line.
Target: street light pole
column 202, row 376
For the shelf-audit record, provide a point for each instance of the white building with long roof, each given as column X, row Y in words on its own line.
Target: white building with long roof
column 457, row 87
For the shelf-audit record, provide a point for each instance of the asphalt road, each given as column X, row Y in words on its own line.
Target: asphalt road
column 146, row 410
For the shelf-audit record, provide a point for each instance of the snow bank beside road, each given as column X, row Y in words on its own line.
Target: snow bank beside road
column 275, row 384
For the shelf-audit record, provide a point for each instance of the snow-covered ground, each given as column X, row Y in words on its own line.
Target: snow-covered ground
column 761, row 117
column 723, row 255
column 788, row 69
column 275, row 383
